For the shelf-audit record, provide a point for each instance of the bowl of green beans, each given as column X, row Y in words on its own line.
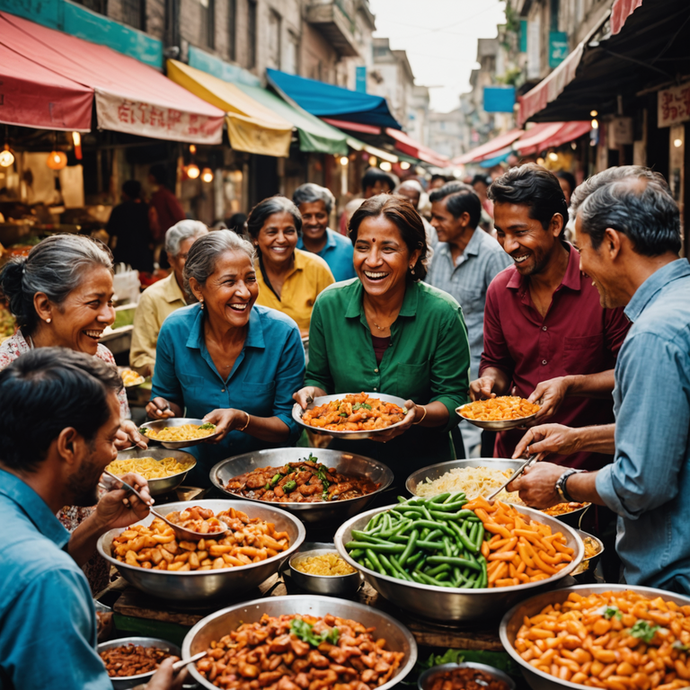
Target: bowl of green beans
column 424, row 555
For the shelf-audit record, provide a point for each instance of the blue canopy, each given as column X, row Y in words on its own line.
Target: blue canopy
column 326, row 100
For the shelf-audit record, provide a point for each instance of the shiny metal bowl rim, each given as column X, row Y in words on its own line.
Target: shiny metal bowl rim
column 296, row 506
column 340, row 546
column 141, row 642
column 301, row 534
column 598, row 554
column 583, row 589
column 297, row 413
column 442, row 668
column 403, row 670
column 316, row 551
column 495, row 424
column 181, row 421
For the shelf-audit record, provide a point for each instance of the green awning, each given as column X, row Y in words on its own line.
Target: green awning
column 314, row 134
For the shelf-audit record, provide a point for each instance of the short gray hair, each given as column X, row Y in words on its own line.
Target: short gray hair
column 181, row 231
column 310, row 193
column 55, row 266
column 202, row 257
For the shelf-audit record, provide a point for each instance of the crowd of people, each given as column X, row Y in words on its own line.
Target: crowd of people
column 438, row 312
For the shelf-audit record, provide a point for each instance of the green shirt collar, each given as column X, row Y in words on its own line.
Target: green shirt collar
column 355, row 308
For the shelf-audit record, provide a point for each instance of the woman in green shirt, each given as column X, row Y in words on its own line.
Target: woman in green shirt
column 386, row 331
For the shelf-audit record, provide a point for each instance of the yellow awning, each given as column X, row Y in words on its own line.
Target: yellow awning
column 251, row 126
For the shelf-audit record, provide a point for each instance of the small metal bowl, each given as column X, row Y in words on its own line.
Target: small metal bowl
column 121, row 682
column 163, row 485
column 588, row 565
column 297, row 413
column 426, row 679
column 159, row 424
column 332, row 585
column 503, row 425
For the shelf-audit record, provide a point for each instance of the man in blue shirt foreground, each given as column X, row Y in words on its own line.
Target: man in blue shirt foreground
column 59, row 418
column 628, row 234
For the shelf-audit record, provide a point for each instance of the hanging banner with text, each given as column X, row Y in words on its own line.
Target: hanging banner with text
column 674, row 105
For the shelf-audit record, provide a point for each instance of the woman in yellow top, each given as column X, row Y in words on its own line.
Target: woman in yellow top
column 289, row 279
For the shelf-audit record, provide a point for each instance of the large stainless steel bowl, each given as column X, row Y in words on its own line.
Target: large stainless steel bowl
column 297, row 413
column 444, row 603
column 573, row 518
column 165, row 484
column 512, row 621
column 199, row 585
column 311, row 513
column 398, row 637
column 123, row 682
column 159, row 424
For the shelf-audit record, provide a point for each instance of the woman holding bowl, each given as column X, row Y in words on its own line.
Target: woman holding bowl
column 388, row 332
column 289, row 279
column 226, row 359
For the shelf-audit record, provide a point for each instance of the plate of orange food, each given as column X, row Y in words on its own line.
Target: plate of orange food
column 351, row 416
column 500, row 413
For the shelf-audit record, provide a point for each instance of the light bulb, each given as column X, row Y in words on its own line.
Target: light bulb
column 192, row 148
column 207, row 175
column 676, row 142
column 595, row 124
column 540, row 161
column 404, row 165
column 6, row 157
column 344, row 160
column 593, row 113
column 386, row 166
column 193, row 171
column 553, row 156
column 56, row 160
column 76, row 140
column 373, row 161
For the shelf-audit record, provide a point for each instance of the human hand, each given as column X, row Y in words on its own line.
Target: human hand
column 548, row 438
column 549, row 395
column 305, row 396
column 165, row 679
column 482, row 388
column 226, row 420
column 128, row 435
column 159, row 408
column 537, row 485
column 385, row 436
column 121, row 508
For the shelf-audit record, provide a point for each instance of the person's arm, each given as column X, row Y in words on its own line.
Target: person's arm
column 142, row 352
column 564, row 440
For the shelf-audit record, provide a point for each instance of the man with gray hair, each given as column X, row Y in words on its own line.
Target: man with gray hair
column 628, row 233
column 162, row 298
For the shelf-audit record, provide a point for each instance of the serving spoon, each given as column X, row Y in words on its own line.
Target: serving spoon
column 180, row 532
column 528, row 463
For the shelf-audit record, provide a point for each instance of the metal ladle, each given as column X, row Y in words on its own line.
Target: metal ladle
column 528, row 463
column 181, row 533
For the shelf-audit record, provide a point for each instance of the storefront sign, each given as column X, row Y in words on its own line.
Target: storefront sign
column 499, row 99
column 674, row 105
column 558, row 48
column 150, row 120
column 361, row 79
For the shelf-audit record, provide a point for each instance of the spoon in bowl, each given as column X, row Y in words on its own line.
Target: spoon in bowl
column 181, row 533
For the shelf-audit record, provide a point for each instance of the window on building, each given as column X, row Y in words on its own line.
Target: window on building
column 274, row 22
column 251, row 33
column 232, row 30
column 134, row 13
column 100, row 6
column 291, row 62
column 208, row 23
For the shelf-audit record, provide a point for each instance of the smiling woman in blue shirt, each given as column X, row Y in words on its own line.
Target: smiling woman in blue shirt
column 628, row 234
column 226, row 359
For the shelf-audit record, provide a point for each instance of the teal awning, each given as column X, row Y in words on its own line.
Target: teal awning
column 314, row 134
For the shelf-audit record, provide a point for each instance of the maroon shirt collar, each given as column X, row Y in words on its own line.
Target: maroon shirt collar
column 572, row 278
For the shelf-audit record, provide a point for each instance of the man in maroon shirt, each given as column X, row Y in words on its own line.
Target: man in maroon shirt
column 168, row 209
column 546, row 336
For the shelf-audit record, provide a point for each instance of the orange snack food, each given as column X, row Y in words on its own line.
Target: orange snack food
column 501, row 409
column 197, row 519
column 355, row 412
column 614, row 640
column 520, row 550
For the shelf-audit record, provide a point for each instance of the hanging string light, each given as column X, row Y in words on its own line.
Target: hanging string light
column 207, row 175
column 56, row 160
column 6, row 155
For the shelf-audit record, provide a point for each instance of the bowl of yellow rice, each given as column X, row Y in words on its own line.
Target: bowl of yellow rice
column 318, row 568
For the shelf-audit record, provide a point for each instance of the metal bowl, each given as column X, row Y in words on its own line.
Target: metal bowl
column 199, row 585
column 446, row 604
column 158, row 424
column 426, row 679
column 589, row 564
column 164, row 484
column 503, row 425
column 512, row 621
column 433, row 472
column 311, row 513
column 119, row 683
column 331, row 585
column 213, row 627
column 297, row 413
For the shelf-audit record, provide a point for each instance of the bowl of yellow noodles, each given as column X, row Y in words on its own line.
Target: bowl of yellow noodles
column 163, row 469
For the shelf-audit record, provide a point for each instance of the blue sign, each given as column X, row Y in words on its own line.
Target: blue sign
column 523, row 35
column 558, row 48
column 361, row 79
column 499, row 99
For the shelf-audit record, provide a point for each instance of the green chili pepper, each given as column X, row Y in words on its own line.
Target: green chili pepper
column 290, row 486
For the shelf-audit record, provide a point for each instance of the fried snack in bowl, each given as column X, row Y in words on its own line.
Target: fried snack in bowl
column 198, row 519
column 132, row 660
column 500, row 413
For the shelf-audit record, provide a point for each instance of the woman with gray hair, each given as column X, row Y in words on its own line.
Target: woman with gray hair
column 226, row 359
column 315, row 204
column 290, row 279
column 162, row 298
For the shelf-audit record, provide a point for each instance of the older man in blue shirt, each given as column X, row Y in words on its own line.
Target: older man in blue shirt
column 628, row 234
column 47, row 616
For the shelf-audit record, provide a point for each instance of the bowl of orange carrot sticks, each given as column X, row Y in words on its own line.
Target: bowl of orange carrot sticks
column 453, row 560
